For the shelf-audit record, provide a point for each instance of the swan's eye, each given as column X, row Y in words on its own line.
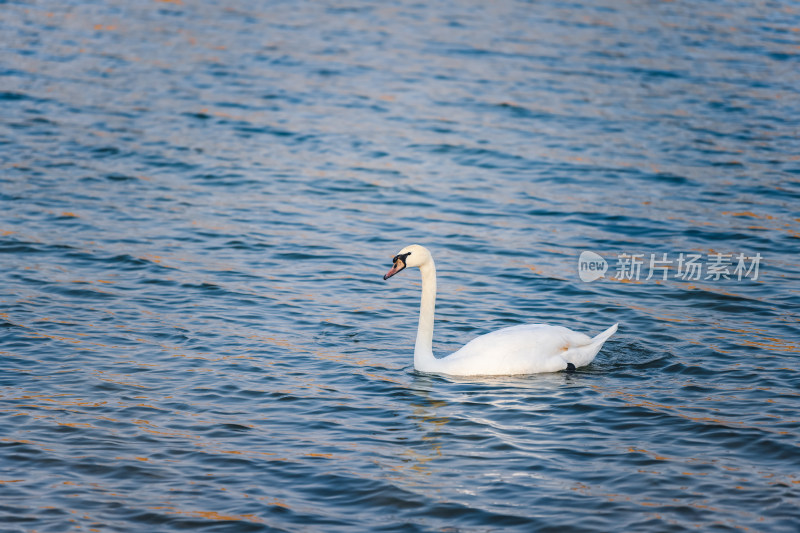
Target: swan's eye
column 401, row 257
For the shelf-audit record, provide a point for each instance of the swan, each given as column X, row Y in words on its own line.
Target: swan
column 523, row 349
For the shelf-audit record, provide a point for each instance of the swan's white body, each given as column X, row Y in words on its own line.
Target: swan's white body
column 525, row 349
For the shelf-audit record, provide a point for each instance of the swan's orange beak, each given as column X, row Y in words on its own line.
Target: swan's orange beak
column 397, row 267
column 398, row 264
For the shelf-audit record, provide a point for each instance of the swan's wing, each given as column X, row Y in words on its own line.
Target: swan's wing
column 525, row 349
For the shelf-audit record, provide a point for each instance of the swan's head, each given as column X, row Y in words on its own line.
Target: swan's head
column 410, row 256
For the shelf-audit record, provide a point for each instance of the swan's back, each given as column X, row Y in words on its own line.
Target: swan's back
column 524, row 349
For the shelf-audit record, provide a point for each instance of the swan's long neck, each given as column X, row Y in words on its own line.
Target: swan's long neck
column 423, row 349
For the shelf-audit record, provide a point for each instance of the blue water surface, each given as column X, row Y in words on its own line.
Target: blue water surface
column 199, row 200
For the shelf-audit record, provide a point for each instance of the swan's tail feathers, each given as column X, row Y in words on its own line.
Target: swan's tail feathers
column 583, row 355
column 602, row 337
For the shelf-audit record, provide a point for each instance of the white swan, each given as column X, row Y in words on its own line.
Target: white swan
column 524, row 349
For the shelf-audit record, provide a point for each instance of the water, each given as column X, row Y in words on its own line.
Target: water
column 199, row 200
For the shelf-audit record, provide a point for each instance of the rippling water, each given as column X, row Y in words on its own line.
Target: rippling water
column 199, row 200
